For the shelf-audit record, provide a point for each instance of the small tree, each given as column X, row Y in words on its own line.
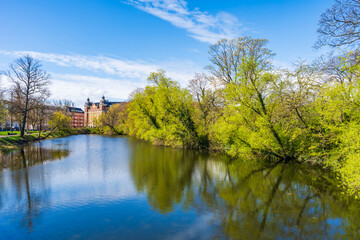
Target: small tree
column 59, row 121
column 30, row 85
column 114, row 119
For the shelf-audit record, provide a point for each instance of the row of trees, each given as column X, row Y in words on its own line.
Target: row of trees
column 247, row 107
column 244, row 105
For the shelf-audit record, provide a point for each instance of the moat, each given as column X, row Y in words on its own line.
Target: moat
column 97, row 187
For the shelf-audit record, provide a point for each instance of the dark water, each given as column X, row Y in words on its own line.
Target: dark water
column 94, row 187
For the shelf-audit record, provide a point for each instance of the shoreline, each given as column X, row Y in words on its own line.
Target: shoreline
column 14, row 142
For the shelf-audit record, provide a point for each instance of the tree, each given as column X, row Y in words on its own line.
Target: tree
column 249, row 125
column 208, row 103
column 63, row 105
column 227, row 56
column 59, row 121
column 340, row 24
column 40, row 115
column 3, row 106
column 114, row 119
column 162, row 113
column 30, row 85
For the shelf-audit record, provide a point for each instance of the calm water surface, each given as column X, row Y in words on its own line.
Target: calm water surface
column 95, row 187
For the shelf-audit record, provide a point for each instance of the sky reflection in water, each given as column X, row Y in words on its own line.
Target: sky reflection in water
column 97, row 187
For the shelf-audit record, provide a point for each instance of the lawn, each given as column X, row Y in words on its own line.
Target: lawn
column 3, row 133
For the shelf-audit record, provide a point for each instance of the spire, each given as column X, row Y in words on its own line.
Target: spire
column 87, row 103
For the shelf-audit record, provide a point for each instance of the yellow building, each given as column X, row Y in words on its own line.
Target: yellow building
column 94, row 110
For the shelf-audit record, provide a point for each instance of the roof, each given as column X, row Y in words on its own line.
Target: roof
column 75, row 109
column 110, row 103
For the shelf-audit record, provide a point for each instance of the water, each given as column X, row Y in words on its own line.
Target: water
column 96, row 187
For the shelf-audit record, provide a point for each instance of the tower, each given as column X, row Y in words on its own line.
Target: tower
column 86, row 110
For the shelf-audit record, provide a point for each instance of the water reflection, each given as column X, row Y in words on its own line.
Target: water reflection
column 102, row 187
column 248, row 200
column 26, row 199
column 31, row 155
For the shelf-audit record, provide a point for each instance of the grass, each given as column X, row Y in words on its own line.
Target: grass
column 3, row 133
column 15, row 141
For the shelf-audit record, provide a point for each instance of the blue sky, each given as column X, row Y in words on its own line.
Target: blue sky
column 96, row 47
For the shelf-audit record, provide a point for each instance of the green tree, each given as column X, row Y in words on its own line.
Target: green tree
column 114, row 120
column 59, row 121
column 249, row 123
column 339, row 121
column 162, row 113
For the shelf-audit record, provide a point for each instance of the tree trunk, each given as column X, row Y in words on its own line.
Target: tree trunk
column 40, row 128
column 25, row 113
column 23, row 124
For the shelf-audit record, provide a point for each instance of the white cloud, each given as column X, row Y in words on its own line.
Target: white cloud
column 78, row 87
column 200, row 25
column 112, row 66
column 181, row 71
column 118, row 78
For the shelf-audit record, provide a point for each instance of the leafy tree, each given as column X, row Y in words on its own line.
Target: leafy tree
column 59, row 121
column 114, row 120
column 249, row 123
column 162, row 113
column 339, row 120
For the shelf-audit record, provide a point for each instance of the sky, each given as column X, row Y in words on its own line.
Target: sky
column 93, row 48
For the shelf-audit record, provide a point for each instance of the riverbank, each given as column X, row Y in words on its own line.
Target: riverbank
column 13, row 142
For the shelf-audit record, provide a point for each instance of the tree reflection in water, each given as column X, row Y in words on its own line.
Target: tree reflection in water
column 29, row 198
column 248, row 200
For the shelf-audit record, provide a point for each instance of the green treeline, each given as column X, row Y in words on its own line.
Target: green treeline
column 249, row 109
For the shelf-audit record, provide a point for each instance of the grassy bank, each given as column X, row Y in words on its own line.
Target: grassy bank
column 13, row 142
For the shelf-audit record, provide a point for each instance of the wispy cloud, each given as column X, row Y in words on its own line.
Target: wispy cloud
column 112, row 66
column 116, row 78
column 180, row 71
column 199, row 24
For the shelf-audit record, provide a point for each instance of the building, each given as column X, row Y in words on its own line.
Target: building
column 77, row 117
column 94, row 110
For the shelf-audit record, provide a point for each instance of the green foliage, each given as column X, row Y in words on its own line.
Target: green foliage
column 251, row 110
column 59, row 121
column 162, row 113
column 114, row 120
column 251, row 122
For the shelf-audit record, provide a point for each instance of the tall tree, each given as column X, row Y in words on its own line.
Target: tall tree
column 226, row 57
column 30, row 83
column 162, row 113
column 208, row 99
column 340, row 24
column 3, row 110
